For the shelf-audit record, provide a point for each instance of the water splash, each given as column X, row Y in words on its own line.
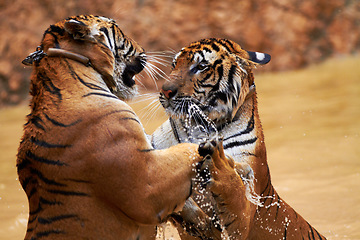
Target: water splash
column 197, row 125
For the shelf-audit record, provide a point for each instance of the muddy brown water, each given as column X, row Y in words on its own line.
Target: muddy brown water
column 311, row 121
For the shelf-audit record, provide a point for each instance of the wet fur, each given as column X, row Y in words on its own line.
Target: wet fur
column 84, row 161
column 216, row 75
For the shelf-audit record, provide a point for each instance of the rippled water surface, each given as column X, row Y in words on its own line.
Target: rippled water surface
column 311, row 120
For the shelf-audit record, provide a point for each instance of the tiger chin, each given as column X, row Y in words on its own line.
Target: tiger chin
column 211, row 92
column 84, row 161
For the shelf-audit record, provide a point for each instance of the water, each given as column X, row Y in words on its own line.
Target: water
column 312, row 133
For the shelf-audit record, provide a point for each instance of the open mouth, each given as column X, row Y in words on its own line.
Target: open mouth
column 128, row 78
column 131, row 70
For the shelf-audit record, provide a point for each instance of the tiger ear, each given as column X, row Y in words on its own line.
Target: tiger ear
column 258, row 57
column 78, row 30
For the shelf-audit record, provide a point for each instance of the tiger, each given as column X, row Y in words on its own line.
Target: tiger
column 211, row 92
column 84, row 161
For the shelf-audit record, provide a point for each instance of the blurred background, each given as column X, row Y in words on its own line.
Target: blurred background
column 309, row 94
column 295, row 32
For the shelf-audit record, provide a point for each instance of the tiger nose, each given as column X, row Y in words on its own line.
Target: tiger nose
column 169, row 90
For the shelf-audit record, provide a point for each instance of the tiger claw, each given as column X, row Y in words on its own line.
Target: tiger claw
column 208, row 147
column 205, row 148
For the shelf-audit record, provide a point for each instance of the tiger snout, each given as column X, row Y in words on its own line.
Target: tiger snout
column 169, row 90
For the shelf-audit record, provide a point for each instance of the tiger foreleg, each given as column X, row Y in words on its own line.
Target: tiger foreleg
column 195, row 222
column 229, row 191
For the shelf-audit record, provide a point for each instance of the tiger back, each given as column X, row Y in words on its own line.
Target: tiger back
column 211, row 91
column 84, row 160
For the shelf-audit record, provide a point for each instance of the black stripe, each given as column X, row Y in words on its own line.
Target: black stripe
column 106, row 32
column 269, row 196
column 48, row 202
column 39, row 209
column 44, row 160
column 217, row 62
column 246, row 154
column 131, row 48
column 53, row 121
column 206, row 49
column 115, row 41
column 68, row 193
column 222, row 96
column 240, row 143
column 129, row 118
column 36, row 121
column 32, row 192
column 220, row 71
column 207, row 76
column 23, row 164
column 146, row 150
column 317, row 233
column 32, row 220
column 267, row 185
column 285, row 230
column 55, row 29
column 101, row 94
column 89, row 85
column 199, row 92
column 228, row 224
column 278, row 206
column 207, row 86
column 52, row 30
column 311, row 229
column 118, row 111
column 215, row 47
column 44, row 179
column 201, row 54
column 225, row 43
column 249, row 128
column 175, row 131
column 56, row 218
column 47, row 233
column 46, row 144
column 232, row 72
column 48, row 85
column 77, row 180
column 26, row 182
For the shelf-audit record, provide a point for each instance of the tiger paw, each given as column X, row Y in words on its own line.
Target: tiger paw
column 196, row 222
column 214, row 160
column 208, row 147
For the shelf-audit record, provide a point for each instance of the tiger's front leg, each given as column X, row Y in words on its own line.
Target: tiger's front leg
column 193, row 223
column 198, row 217
column 225, row 182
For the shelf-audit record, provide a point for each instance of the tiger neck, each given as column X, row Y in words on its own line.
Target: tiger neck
column 245, row 120
column 55, row 80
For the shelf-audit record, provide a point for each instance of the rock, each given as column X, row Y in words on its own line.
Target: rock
column 296, row 33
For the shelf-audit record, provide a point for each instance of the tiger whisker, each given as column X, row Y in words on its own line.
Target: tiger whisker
column 158, row 70
column 150, row 110
column 151, row 69
column 167, row 53
column 150, row 72
column 164, row 58
column 145, row 97
column 161, row 62
column 139, row 81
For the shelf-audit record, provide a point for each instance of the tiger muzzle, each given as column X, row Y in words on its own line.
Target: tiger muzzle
column 169, row 90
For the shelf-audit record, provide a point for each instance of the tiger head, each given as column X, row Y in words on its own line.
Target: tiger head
column 212, row 75
column 111, row 53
